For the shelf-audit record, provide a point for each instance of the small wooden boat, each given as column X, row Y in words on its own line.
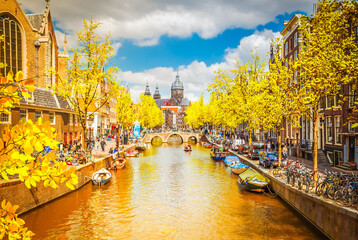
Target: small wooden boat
column 208, row 145
column 229, row 160
column 218, row 153
column 253, row 181
column 118, row 164
column 187, row 148
column 134, row 153
column 141, row 147
column 101, row 177
column 238, row 168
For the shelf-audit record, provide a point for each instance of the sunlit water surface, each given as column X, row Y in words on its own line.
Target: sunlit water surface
column 167, row 193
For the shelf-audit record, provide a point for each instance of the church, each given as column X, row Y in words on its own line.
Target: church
column 174, row 107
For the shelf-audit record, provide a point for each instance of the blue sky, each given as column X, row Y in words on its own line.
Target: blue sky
column 155, row 38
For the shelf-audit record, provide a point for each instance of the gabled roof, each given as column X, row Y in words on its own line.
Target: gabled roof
column 35, row 20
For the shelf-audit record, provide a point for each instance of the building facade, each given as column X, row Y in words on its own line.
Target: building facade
column 30, row 46
column 174, row 107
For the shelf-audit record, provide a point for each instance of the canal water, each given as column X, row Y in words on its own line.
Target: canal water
column 167, row 193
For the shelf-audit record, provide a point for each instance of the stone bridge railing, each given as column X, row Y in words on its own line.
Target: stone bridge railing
column 164, row 136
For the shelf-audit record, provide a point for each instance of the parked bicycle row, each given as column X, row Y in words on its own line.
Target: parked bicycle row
column 340, row 187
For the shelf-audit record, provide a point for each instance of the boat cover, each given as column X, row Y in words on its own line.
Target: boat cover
column 239, row 165
column 230, row 159
column 251, row 174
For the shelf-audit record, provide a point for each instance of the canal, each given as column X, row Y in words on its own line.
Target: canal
column 167, row 193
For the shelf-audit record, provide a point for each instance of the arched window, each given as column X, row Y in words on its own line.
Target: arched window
column 10, row 48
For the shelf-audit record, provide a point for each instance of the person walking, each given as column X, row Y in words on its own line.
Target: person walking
column 61, row 147
column 284, row 152
column 103, row 143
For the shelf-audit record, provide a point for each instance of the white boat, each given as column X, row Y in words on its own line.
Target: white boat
column 101, row 177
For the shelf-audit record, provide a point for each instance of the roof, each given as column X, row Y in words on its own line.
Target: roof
column 161, row 102
column 35, row 20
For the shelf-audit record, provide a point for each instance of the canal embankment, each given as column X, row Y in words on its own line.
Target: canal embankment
column 336, row 222
column 17, row 193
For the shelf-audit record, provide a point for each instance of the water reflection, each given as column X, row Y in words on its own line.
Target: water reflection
column 167, row 193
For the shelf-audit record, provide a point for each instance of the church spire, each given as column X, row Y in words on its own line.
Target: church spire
column 156, row 93
column 147, row 91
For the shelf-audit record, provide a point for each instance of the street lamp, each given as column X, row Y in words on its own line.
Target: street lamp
column 37, row 45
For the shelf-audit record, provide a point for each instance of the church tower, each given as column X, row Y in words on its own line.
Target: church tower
column 156, row 93
column 177, row 91
column 147, row 91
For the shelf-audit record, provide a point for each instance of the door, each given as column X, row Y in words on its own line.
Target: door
column 70, row 138
column 351, row 149
column 65, row 138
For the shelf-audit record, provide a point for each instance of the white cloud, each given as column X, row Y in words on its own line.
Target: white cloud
column 197, row 75
column 145, row 21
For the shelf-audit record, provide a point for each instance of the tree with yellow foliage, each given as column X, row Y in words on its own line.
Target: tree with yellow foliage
column 126, row 114
column 149, row 114
column 328, row 57
column 195, row 113
column 22, row 154
column 91, row 80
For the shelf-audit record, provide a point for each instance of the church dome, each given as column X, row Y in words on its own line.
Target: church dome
column 177, row 84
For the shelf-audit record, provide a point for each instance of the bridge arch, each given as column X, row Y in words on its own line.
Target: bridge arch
column 154, row 136
column 192, row 136
column 175, row 133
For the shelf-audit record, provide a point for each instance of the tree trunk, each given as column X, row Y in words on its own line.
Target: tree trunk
column 315, row 144
column 279, row 146
column 84, row 140
column 117, row 139
column 250, row 132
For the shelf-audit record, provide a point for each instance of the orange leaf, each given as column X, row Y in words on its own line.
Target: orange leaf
column 29, row 81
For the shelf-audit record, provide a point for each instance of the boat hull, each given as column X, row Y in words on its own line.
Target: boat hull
column 238, row 170
column 256, row 186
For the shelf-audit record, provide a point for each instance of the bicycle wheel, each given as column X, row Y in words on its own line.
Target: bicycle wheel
column 331, row 191
column 341, row 197
column 299, row 183
column 353, row 199
column 321, row 188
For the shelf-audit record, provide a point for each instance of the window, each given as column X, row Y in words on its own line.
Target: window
column 76, row 120
column 338, row 130
column 5, row 118
column 352, row 90
column 71, row 119
column 329, row 129
column 291, row 44
column 329, row 101
column 23, row 114
column 350, row 128
column 38, row 114
column 296, row 55
column 296, row 38
column 338, row 157
column 52, row 118
column 320, row 104
column 10, row 48
column 286, row 48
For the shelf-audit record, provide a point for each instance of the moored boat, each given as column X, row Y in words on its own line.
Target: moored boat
column 187, row 148
column 101, row 177
column 134, row 153
column 141, row 146
column 219, row 153
column 238, row 168
column 118, row 164
column 208, row 145
column 231, row 159
column 253, row 181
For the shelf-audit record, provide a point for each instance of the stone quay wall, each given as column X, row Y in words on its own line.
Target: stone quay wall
column 336, row 222
column 17, row 193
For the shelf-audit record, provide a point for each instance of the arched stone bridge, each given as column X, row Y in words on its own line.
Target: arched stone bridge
column 165, row 136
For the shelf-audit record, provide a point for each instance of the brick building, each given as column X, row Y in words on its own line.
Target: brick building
column 173, row 108
column 31, row 47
